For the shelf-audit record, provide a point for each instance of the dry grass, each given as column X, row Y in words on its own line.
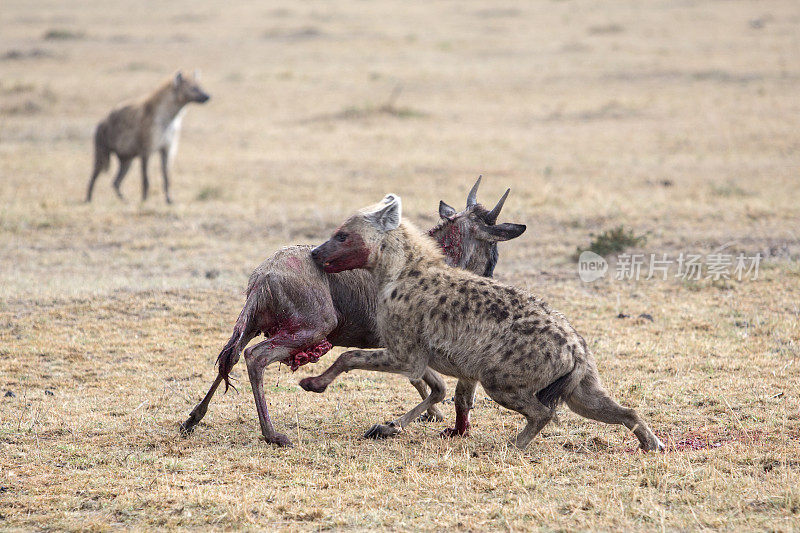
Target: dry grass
column 678, row 122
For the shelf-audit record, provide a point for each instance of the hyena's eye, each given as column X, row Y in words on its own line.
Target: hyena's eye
column 341, row 236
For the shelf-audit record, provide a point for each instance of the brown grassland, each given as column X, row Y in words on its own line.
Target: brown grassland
column 678, row 120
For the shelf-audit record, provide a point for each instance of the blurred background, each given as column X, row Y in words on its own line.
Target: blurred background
column 676, row 119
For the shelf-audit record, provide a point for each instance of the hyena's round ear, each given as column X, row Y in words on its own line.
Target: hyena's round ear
column 386, row 215
column 178, row 79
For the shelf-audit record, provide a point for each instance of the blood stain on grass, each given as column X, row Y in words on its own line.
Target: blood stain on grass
column 707, row 439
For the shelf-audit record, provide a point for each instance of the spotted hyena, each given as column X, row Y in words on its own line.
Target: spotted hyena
column 525, row 354
column 140, row 128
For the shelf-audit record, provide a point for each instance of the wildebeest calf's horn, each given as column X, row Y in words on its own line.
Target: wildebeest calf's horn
column 472, row 197
column 491, row 216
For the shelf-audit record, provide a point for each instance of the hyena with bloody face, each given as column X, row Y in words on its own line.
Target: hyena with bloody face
column 304, row 311
column 526, row 355
column 140, row 128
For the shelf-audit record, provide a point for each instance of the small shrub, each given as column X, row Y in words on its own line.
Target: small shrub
column 209, row 193
column 60, row 34
column 387, row 108
column 34, row 53
column 613, row 240
column 728, row 189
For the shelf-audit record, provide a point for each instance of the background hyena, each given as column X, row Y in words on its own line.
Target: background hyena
column 304, row 311
column 138, row 129
column 526, row 355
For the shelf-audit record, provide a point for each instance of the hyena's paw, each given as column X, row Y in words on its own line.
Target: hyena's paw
column 313, row 385
column 653, row 445
column 280, row 440
column 382, row 431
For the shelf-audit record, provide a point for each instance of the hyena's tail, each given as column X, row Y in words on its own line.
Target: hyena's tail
column 102, row 154
column 102, row 157
column 560, row 389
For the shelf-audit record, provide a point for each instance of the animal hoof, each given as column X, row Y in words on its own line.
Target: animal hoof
column 279, row 439
column 451, row 432
column 310, row 384
column 186, row 428
column 382, row 431
column 431, row 417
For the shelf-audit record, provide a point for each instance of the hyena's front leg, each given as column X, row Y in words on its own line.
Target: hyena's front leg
column 164, row 152
column 344, row 364
column 382, row 360
column 433, row 414
column 145, row 180
column 431, row 377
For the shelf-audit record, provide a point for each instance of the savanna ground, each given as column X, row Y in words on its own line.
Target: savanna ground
column 677, row 120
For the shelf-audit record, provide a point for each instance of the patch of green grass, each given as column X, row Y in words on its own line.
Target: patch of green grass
column 728, row 189
column 387, row 108
column 354, row 112
column 140, row 66
column 209, row 193
column 612, row 241
column 62, row 34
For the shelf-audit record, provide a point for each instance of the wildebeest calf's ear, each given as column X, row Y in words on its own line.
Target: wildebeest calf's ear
column 445, row 211
column 505, row 231
column 178, row 79
column 387, row 215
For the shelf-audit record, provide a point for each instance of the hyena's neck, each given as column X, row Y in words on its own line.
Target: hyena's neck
column 406, row 250
column 164, row 105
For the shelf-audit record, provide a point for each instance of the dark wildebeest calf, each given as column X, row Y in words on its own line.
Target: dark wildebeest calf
column 137, row 129
column 304, row 312
column 526, row 355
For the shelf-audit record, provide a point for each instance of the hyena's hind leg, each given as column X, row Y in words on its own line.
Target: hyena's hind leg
column 525, row 402
column 95, row 173
column 464, row 400
column 124, row 165
column 591, row 400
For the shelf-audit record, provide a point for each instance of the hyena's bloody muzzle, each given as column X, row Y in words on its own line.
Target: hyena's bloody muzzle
column 343, row 251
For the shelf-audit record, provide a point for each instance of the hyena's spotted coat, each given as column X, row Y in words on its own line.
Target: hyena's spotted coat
column 526, row 355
